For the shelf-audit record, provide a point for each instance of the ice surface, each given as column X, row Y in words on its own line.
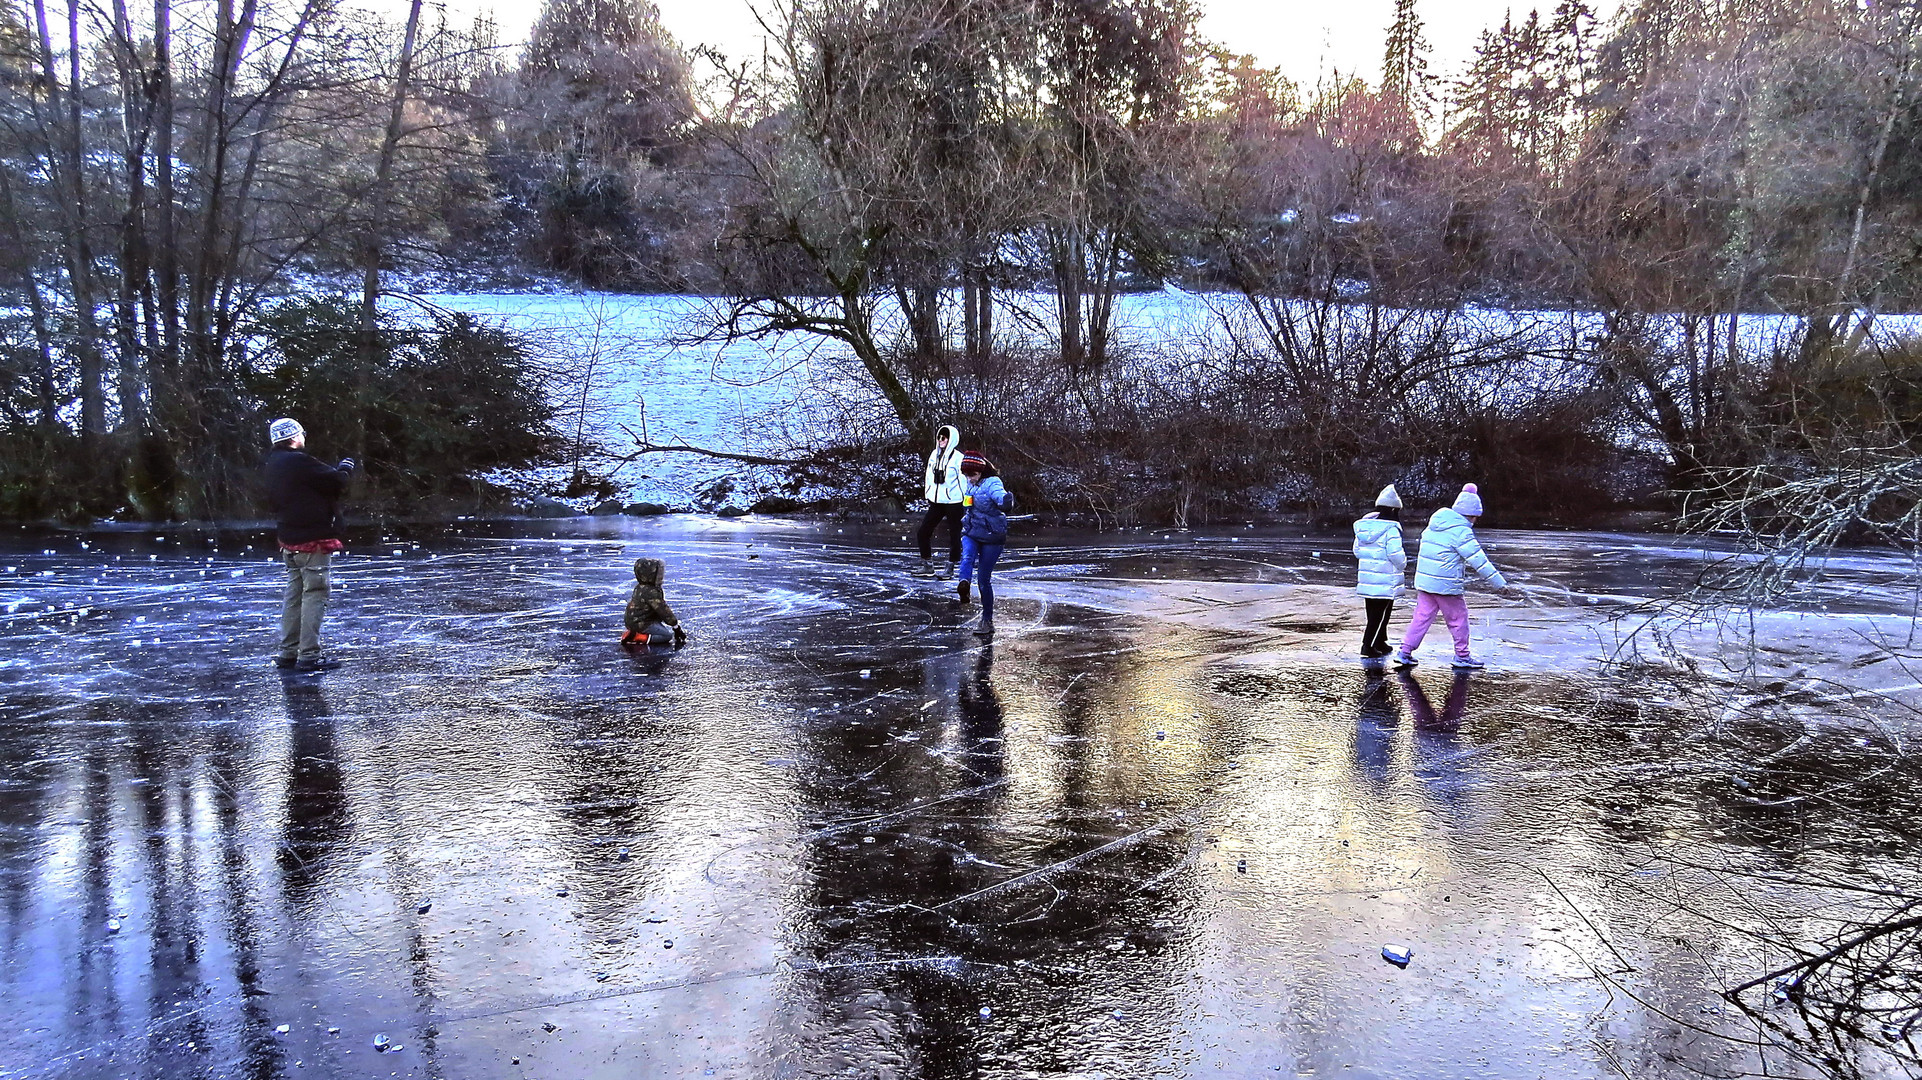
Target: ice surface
column 853, row 881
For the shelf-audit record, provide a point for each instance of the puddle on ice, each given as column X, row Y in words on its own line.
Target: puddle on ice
column 1159, row 827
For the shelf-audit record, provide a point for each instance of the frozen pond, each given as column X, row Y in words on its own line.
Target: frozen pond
column 1162, row 826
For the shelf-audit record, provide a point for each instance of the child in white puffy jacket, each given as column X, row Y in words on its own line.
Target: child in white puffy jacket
column 1449, row 553
column 1383, row 560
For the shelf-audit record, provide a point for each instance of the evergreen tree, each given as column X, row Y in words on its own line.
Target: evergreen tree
column 604, row 92
column 1406, row 85
column 1480, row 103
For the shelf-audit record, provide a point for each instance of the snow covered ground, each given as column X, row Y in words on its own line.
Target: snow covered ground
column 633, row 377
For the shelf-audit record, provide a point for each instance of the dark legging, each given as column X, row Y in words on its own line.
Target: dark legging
column 981, row 558
column 932, row 519
column 1374, row 639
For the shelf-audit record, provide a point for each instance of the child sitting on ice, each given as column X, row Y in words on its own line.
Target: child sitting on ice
column 649, row 620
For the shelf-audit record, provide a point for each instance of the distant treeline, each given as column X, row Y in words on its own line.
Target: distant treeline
column 170, row 174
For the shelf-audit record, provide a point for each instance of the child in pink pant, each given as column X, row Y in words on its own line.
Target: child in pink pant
column 1454, row 612
column 1449, row 553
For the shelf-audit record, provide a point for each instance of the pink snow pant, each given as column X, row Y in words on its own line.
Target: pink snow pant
column 1452, row 609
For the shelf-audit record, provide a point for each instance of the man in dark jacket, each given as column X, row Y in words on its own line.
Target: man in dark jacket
column 305, row 496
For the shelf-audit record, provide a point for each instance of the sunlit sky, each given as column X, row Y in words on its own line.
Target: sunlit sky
column 1304, row 39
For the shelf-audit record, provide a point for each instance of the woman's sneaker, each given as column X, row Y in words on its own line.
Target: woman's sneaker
column 1468, row 663
column 986, row 629
column 1403, row 660
column 961, row 589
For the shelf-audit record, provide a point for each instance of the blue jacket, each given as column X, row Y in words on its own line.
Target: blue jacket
column 987, row 520
column 1448, row 551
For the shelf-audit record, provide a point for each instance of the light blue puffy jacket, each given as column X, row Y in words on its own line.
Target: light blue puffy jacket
column 986, row 518
column 1448, row 551
column 1383, row 559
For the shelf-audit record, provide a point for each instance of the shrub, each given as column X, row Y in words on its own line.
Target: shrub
column 432, row 403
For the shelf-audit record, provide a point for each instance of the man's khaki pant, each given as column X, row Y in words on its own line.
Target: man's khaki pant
column 305, row 602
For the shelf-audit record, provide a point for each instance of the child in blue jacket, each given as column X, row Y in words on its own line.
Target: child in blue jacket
column 984, row 532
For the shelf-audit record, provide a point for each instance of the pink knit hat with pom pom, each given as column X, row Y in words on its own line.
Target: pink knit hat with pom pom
column 1468, row 503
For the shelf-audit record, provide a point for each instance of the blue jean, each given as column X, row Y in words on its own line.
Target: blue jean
column 981, row 558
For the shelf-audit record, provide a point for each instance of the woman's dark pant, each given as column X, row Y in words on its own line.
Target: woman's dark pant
column 937, row 511
column 1374, row 639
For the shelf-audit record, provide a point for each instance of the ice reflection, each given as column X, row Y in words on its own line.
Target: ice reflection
column 826, row 836
column 318, row 828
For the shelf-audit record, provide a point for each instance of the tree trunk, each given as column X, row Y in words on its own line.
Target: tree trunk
column 921, row 306
column 860, row 335
column 1070, row 269
column 168, row 299
column 1101, row 315
column 136, row 123
column 44, row 389
column 64, row 133
column 230, row 44
column 970, row 316
column 373, row 242
column 1819, row 343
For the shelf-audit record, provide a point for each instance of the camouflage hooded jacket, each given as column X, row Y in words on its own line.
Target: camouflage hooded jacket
column 648, row 604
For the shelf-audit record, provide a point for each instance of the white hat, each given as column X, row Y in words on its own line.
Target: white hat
column 1468, row 503
column 283, row 429
column 1389, row 497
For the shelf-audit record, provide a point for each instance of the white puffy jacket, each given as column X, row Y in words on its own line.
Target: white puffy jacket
column 947, row 464
column 1448, row 551
column 1383, row 560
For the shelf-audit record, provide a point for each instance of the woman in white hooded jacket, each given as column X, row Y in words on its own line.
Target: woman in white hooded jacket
column 943, row 486
column 1382, row 562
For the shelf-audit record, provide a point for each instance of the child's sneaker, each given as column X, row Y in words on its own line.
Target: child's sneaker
column 1403, row 660
column 961, row 589
column 1468, row 663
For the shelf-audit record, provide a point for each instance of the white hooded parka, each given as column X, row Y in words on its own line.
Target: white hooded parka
column 1383, row 560
column 942, row 482
column 1448, row 551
